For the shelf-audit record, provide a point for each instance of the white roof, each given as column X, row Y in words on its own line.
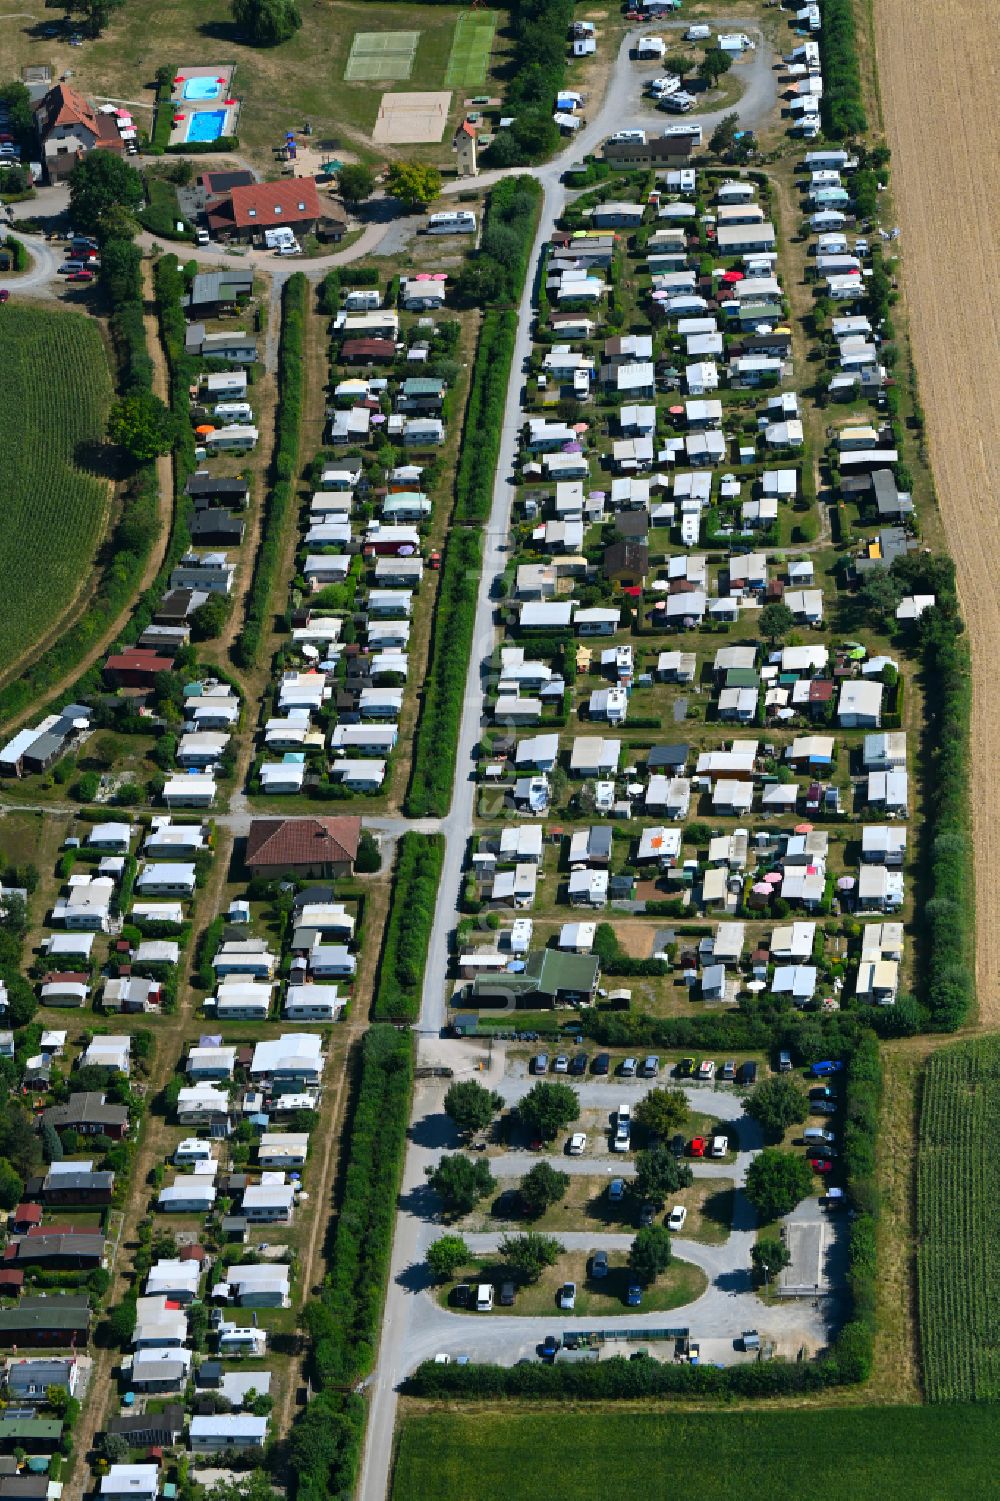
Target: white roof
column 290, row 1050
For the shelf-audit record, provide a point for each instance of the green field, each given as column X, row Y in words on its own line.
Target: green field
column 958, row 1223
column 381, row 55
column 841, row 1454
column 470, row 51
column 55, row 391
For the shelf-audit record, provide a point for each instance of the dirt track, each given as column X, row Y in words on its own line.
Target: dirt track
column 940, row 114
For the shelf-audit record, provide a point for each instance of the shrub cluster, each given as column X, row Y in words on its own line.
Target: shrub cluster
column 408, row 928
column 537, row 74
column 493, row 275
column 284, row 467
column 842, row 107
column 162, row 214
column 484, row 416
column 435, row 745
column 325, row 1443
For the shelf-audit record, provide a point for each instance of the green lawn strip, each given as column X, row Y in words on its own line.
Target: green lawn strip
column 679, row 1285
column 892, row 1454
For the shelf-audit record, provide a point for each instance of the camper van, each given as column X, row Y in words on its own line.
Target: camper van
column 233, row 411
column 456, row 222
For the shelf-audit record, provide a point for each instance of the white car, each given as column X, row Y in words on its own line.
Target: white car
column 720, row 1146
column 676, row 1217
column 623, row 1129
column 578, row 1144
column 293, row 249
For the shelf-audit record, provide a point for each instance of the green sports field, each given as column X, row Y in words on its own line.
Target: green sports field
column 469, row 62
column 564, row 1454
column 381, row 55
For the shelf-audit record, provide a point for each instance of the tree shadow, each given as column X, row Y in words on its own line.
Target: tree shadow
column 226, row 31
column 738, row 1280
column 438, row 1132
column 719, row 1208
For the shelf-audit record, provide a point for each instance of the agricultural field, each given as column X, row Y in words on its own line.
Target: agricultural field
column 889, row 1453
column 956, row 346
column 958, row 1223
column 55, row 392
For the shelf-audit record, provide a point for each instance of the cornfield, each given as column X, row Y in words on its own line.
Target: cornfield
column 958, row 1223
column 55, row 391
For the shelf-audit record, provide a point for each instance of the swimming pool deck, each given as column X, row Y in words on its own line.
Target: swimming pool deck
column 186, row 108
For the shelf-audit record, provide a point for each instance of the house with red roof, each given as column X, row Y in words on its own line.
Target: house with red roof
column 246, row 211
column 69, row 128
column 303, row 846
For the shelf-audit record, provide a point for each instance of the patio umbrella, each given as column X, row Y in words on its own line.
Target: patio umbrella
column 846, row 883
column 580, row 427
column 222, row 78
column 178, row 119
column 773, row 878
column 803, row 828
column 732, row 277
column 676, row 411
column 231, row 102
column 762, row 889
column 179, row 78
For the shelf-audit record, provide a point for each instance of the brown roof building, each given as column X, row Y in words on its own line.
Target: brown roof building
column 69, row 128
column 368, row 351
column 307, row 846
column 245, row 212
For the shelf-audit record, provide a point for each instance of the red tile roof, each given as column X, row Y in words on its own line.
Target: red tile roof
column 302, row 841
column 370, row 348
column 64, row 106
column 269, row 203
column 27, row 1214
column 139, row 659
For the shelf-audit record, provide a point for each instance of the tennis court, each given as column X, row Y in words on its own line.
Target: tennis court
column 381, row 55
column 471, row 46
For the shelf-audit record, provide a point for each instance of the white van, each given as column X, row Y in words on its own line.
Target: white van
column 484, row 1297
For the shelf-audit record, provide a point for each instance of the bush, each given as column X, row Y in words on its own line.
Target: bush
column 162, row 213
column 408, row 928
column 537, row 73
column 841, row 106
column 284, row 468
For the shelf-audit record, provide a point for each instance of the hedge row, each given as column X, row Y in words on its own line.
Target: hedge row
column 842, row 106
column 408, row 928
column 325, row 1442
column 809, row 1036
column 284, row 467
column 493, row 275
column 435, row 745
column 949, row 912
column 484, row 416
column 863, row 1093
column 537, row 74
column 124, row 557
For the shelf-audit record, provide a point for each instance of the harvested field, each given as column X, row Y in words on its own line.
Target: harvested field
column 932, row 66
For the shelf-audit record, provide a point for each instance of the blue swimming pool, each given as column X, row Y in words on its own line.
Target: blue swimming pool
column 207, row 125
column 202, row 88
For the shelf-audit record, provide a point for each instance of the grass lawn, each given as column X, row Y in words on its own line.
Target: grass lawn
column 709, row 1203
column 891, row 1453
column 680, row 1284
column 55, row 392
column 281, row 87
column 470, row 50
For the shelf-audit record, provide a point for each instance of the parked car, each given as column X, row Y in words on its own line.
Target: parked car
column 686, row 1067
column 616, row 1190
column 826, row 1068
column 629, row 1068
column 784, row 1063
column 601, row 1064
column 506, row 1295
column 821, row 1149
column 577, row 1144
column 650, row 1066
column 599, row 1265
column 561, row 1064
column 579, row 1064
column 823, row 1092
column 550, row 1344
column 567, row 1295
column 540, row 1063
column 823, row 1107
column 720, row 1146
column 634, row 1295
column 698, row 1145
column 820, row 1165
column 728, row 1070
column 460, row 1295
column 747, row 1073
column 677, row 1217
column 80, row 276
column 677, row 1145
column 647, row 1213
column 706, row 1069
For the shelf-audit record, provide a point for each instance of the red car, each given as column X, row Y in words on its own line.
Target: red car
column 80, row 276
column 4, row 295
column 818, row 1165
column 698, row 1146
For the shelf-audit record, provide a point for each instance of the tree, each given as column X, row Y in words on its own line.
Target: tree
column 356, row 182
column 547, row 1108
column 777, row 1181
column 542, row 1186
column 461, row 1182
column 369, row 856
column 254, row 1487
column 114, row 1447
column 446, row 1255
column 775, row 1104
column 714, row 65
column 769, row 1256
column 208, row 620
column 774, row 621
column 662, row 1111
column 266, row 23
column 471, row 1106
column 651, row 1252
column 724, row 135
column 121, row 1323
column 51, row 1145
column 414, row 183
column 142, row 425
column 659, row 1173
column 96, row 13
column 56, row 1397
column 678, row 62
column 528, row 1255
column 879, row 596
column 96, row 184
